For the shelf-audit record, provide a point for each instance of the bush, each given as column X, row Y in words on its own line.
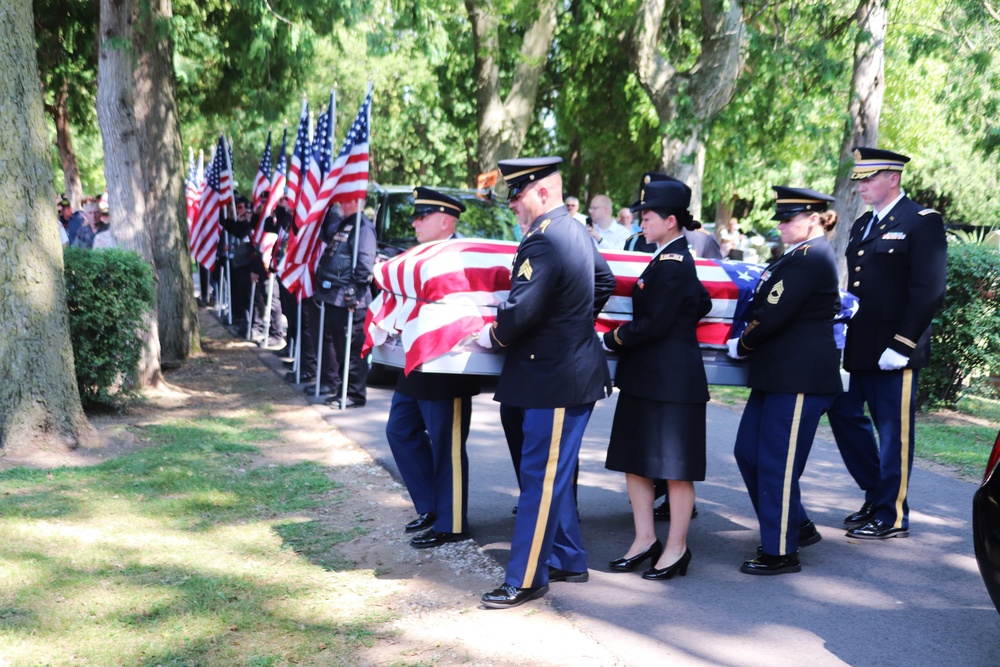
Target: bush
column 965, row 341
column 108, row 293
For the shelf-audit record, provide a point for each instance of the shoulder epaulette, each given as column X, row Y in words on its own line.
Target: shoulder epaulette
column 674, row 257
column 927, row 211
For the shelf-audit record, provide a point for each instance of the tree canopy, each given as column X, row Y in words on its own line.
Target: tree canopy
column 243, row 67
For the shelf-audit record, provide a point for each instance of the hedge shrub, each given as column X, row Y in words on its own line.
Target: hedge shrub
column 965, row 341
column 109, row 293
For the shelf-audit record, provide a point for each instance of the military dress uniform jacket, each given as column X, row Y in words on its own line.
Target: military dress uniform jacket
column 559, row 283
column 661, row 358
column 898, row 274
column 790, row 335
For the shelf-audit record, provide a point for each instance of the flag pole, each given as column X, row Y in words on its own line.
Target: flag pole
column 354, row 267
column 298, row 345
column 322, row 306
column 253, row 295
column 319, row 348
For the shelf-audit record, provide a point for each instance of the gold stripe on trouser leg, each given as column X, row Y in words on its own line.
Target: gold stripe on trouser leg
column 904, row 439
column 457, row 499
column 545, row 502
column 786, row 490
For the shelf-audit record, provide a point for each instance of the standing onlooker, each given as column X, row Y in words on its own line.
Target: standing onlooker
column 349, row 292
column 240, row 258
column 103, row 236
column 605, row 231
column 85, row 236
column 625, row 219
column 430, row 415
column 896, row 265
column 70, row 220
column 553, row 373
column 573, row 206
column 659, row 426
column 794, row 376
column 732, row 242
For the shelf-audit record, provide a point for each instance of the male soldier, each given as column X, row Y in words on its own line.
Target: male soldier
column 896, row 266
column 553, row 373
column 430, row 414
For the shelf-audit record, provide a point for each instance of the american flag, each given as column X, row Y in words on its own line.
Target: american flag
column 346, row 180
column 304, row 247
column 300, row 155
column 278, row 180
column 262, row 179
column 191, row 190
column 436, row 294
column 218, row 192
column 264, row 241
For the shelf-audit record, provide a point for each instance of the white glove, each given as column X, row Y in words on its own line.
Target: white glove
column 600, row 339
column 892, row 360
column 733, row 345
column 484, row 338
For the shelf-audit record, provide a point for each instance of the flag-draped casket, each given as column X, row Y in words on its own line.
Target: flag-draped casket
column 436, row 295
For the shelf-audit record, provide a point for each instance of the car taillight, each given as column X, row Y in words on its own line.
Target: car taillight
column 994, row 457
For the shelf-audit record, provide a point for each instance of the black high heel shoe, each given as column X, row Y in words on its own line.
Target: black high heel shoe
column 668, row 572
column 629, row 564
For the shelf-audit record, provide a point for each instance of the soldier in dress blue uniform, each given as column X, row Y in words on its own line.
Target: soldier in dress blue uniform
column 897, row 266
column 659, row 425
column 554, row 371
column 794, row 376
column 700, row 243
column 429, row 418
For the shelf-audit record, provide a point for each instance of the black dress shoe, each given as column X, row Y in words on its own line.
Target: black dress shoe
column 876, row 529
column 668, row 572
column 508, row 596
column 556, row 574
column 306, row 379
column 422, row 522
column 654, row 552
column 862, row 516
column 310, row 389
column 433, row 538
column 334, row 402
column 662, row 513
column 768, row 564
column 808, row 534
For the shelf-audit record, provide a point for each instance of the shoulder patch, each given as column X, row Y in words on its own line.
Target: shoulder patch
column 927, row 211
column 672, row 256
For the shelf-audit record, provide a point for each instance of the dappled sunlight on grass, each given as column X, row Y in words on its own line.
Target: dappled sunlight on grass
column 178, row 554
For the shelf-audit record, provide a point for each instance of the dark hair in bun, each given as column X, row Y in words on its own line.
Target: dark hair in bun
column 682, row 215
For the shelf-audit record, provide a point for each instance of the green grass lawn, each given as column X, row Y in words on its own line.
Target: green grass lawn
column 182, row 553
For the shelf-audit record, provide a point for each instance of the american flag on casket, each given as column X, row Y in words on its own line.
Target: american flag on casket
column 434, row 296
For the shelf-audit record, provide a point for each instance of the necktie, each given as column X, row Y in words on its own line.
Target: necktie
column 871, row 226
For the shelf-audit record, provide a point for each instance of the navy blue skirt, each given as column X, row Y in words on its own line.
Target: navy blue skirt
column 658, row 440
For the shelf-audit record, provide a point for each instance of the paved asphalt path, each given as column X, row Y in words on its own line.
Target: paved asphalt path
column 915, row 601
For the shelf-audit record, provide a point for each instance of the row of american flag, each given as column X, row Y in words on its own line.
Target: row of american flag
column 312, row 180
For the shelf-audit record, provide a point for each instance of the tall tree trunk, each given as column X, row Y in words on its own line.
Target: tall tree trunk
column 123, row 165
column 64, row 143
column 864, row 109
column 709, row 83
column 39, row 401
column 163, row 168
column 503, row 124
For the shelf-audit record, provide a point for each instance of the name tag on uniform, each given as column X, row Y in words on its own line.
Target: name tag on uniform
column 894, row 236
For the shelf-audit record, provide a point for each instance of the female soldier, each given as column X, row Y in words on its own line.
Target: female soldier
column 659, row 424
column 794, row 376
